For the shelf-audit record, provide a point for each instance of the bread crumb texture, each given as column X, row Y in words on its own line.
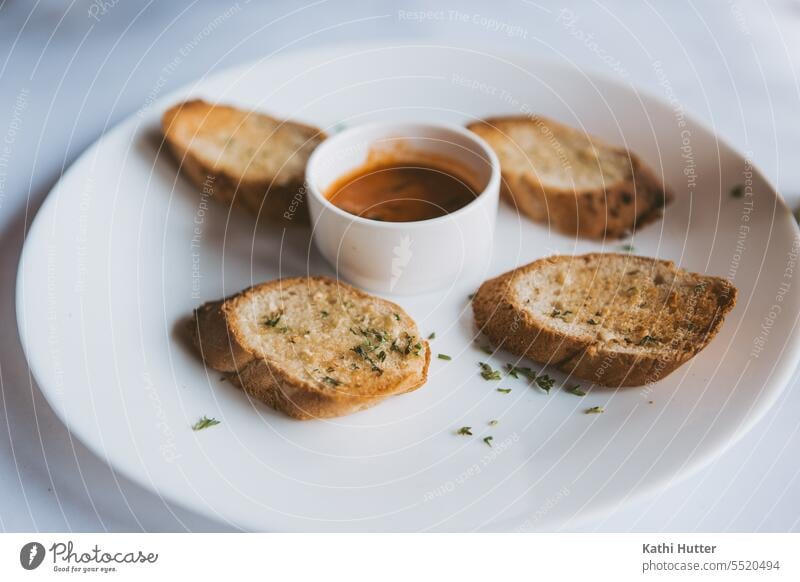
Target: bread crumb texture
column 247, row 158
column 613, row 319
column 314, row 347
column 571, row 180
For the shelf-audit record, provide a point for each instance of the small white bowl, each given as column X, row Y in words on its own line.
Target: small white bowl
column 404, row 257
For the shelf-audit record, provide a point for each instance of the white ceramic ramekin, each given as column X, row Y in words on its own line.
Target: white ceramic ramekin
column 404, row 257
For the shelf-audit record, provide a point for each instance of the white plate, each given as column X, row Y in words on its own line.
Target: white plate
column 124, row 248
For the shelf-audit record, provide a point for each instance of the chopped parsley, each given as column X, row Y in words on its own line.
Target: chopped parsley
column 558, row 314
column 331, row 381
column 397, row 317
column 371, row 348
column 205, row 422
column 273, row 318
column 471, row 296
column 515, row 371
column 412, row 346
column 364, row 351
column 492, row 422
column 648, row 339
column 465, row 431
column 324, row 313
column 487, row 373
column 594, row 410
column 444, row 357
column 504, row 390
column 576, row 390
column 592, row 321
column 627, row 248
column 545, row 382
column 488, row 440
column 432, row 335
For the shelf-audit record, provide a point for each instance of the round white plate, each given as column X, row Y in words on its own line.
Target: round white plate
column 124, row 248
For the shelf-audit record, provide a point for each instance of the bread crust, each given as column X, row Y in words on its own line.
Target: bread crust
column 611, row 212
column 511, row 326
column 224, row 347
column 271, row 198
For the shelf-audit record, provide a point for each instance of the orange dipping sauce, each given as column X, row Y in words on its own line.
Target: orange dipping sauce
column 402, row 191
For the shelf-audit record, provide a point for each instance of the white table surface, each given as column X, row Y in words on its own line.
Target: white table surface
column 66, row 77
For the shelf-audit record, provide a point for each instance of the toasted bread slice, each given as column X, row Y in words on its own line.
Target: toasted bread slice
column 580, row 185
column 312, row 347
column 612, row 319
column 242, row 157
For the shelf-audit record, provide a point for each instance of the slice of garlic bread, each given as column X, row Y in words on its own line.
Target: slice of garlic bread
column 243, row 157
column 312, row 347
column 579, row 185
column 612, row 319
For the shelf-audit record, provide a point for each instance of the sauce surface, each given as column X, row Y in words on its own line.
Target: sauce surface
column 394, row 191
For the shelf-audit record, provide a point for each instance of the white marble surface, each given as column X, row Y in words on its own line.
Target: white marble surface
column 70, row 70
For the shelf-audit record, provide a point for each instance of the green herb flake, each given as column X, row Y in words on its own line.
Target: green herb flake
column 432, row 335
column 737, row 191
column 545, row 382
column 487, row 373
column 594, row 410
column 331, row 381
column 504, row 390
column 515, row 371
column 592, row 322
column 627, row 248
column 465, row 431
column 646, row 340
column 471, row 296
column 324, row 313
column 576, row 390
column 411, row 345
column 558, row 314
column 272, row 319
column 488, row 440
column 205, row 422
column 492, row 422
column 444, row 357
column 397, row 317
column 365, row 351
